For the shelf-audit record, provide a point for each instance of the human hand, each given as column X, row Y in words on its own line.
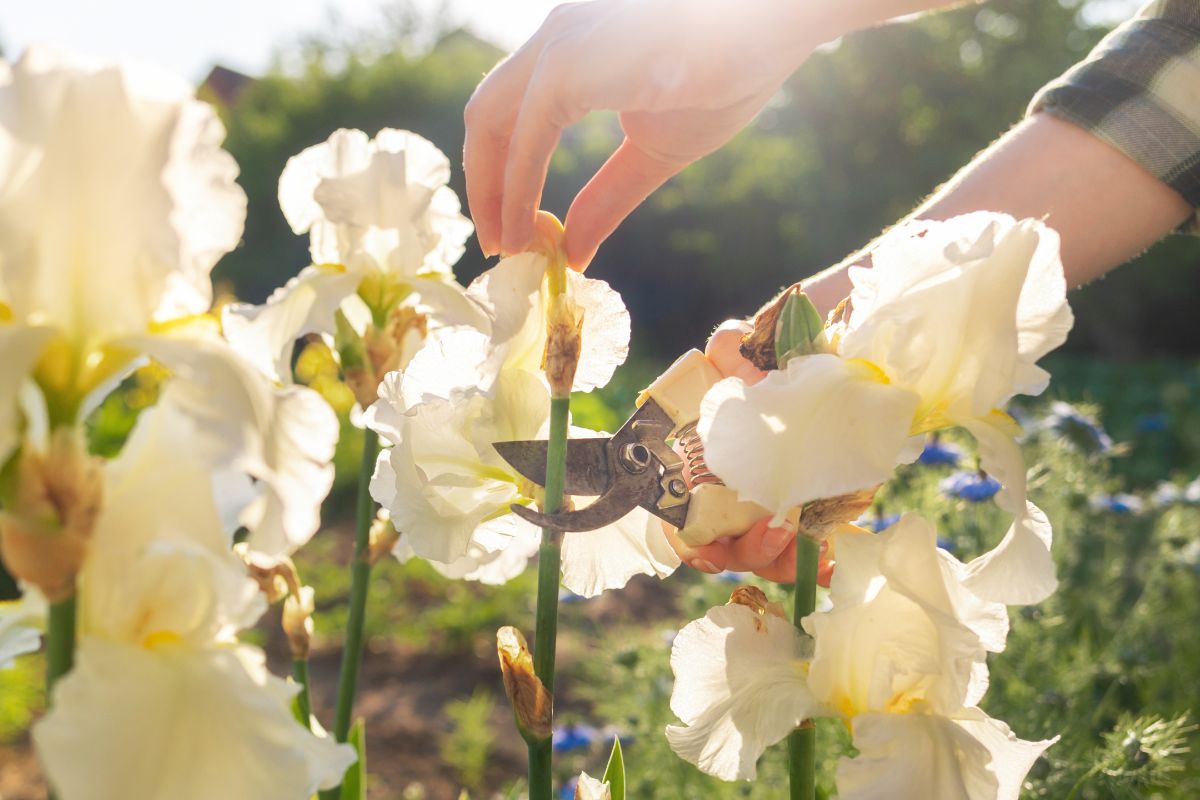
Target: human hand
column 766, row 551
column 684, row 75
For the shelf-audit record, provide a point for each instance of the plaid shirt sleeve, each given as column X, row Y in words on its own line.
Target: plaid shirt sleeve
column 1139, row 90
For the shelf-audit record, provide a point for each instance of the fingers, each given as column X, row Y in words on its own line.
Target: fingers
column 757, row 550
column 617, row 188
column 724, row 351
column 490, row 117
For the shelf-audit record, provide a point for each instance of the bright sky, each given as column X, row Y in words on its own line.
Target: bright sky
column 189, row 36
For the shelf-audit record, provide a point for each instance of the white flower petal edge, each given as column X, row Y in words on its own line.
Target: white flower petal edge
column 20, row 346
column 20, row 623
column 903, row 633
column 377, row 203
column 266, row 335
column 441, row 478
column 1020, row 569
column 117, row 197
column 739, row 688
column 282, row 436
column 916, row 757
column 193, row 725
column 594, row 561
column 960, row 310
column 499, row 551
column 590, row 788
column 821, row 427
column 512, row 295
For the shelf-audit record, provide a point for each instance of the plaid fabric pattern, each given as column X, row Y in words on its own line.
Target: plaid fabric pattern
column 1139, row 90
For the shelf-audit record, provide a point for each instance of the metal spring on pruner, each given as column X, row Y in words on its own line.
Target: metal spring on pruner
column 693, row 455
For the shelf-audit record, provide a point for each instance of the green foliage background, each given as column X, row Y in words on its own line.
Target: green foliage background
column 856, row 137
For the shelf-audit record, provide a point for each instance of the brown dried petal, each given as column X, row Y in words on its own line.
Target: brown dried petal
column 56, row 499
column 820, row 518
column 532, row 705
column 758, row 346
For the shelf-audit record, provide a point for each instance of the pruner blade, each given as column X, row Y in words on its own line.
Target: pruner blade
column 633, row 467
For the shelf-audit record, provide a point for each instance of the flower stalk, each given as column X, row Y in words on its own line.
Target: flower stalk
column 60, row 642
column 360, row 572
column 303, row 698
column 802, row 742
column 559, row 362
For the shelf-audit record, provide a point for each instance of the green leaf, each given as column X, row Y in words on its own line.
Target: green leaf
column 354, row 787
column 614, row 773
column 799, row 330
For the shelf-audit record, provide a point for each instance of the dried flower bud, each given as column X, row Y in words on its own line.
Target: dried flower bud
column 386, row 350
column 820, row 518
column 564, row 329
column 533, row 706
column 383, row 537
column 756, row 600
column 276, row 577
column 297, row 621
column 50, row 511
column 758, row 346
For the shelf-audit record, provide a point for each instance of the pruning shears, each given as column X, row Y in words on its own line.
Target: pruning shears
column 633, row 467
column 637, row 467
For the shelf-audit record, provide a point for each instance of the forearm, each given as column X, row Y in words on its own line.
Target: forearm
column 1104, row 206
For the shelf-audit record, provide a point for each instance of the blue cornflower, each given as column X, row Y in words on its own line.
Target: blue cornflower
column 877, row 523
column 972, row 486
column 729, row 576
column 1152, row 423
column 574, row 737
column 567, row 792
column 947, row 545
column 1116, row 503
column 567, row 596
column 1078, row 430
column 938, row 453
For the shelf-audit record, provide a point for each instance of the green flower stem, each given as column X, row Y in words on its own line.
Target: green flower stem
column 303, row 698
column 360, row 572
column 802, row 742
column 549, row 561
column 60, row 642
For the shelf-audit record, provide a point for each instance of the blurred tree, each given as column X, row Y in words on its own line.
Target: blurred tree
column 858, row 136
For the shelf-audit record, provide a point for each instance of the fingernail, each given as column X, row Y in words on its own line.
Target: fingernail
column 775, row 539
column 704, row 566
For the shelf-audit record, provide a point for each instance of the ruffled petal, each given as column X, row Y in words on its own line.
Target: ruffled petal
column 593, row 561
column 266, row 335
column 902, row 633
column 377, row 203
column 739, row 688
column 1020, row 569
column 283, row 437
column 917, row 756
column 822, row 427
column 513, row 296
column 117, row 198
column 498, row 551
column 181, row 723
column 960, row 310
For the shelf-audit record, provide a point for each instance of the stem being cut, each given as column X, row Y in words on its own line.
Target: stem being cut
column 802, row 742
column 561, row 357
